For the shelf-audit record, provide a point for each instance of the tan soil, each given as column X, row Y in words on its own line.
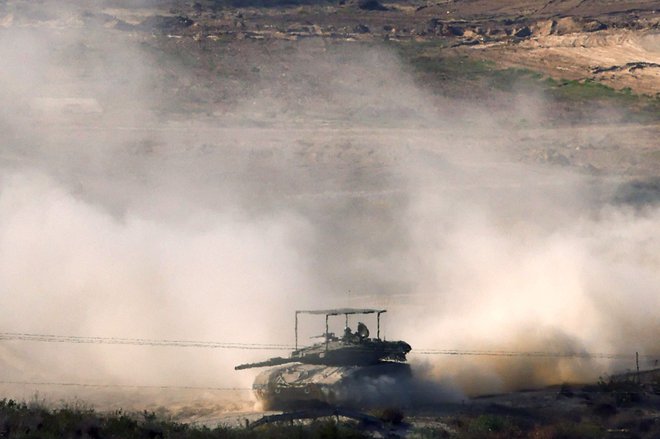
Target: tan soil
column 579, row 55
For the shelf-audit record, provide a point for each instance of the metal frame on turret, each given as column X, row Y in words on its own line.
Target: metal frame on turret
column 337, row 312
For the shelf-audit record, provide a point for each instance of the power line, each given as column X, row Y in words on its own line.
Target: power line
column 503, row 353
column 51, row 338
column 539, row 354
column 123, row 386
column 169, row 387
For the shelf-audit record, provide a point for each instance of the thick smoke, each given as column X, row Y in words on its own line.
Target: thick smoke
column 525, row 259
column 329, row 178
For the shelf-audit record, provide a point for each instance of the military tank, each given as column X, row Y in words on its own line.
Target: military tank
column 350, row 370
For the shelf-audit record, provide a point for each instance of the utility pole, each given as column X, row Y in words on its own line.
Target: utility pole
column 637, row 363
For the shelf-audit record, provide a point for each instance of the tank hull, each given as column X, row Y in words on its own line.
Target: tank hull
column 306, row 385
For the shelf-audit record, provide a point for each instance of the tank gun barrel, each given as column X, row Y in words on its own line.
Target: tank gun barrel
column 270, row 362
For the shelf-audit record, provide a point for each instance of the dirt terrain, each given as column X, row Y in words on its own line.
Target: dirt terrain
column 618, row 58
column 473, row 51
column 614, row 42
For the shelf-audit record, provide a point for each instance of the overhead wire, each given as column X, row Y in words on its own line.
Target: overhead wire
column 123, row 386
column 52, row 338
column 539, row 354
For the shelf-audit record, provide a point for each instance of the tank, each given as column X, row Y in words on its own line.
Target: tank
column 351, row 370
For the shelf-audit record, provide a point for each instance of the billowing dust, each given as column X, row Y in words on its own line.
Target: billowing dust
column 332, row 181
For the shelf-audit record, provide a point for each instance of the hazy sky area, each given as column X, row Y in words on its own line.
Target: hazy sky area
column 329, row 180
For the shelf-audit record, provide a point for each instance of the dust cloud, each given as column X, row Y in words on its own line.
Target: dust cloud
column 331, row 178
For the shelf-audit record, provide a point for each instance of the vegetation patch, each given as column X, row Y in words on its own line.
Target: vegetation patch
column 33, row 421
column 460, row 75
column 587, row 89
